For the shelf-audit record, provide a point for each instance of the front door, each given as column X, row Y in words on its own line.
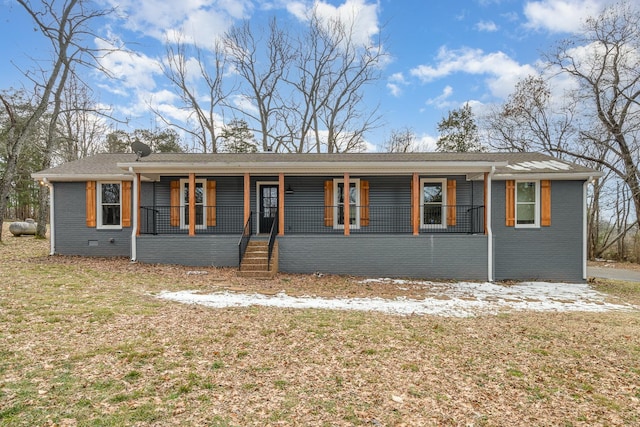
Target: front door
column 268, row 207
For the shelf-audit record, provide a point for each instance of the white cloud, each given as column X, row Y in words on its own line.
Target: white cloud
column 199, row 21
column 486, row 26
column 132, row 70
column 502, row 72
column 360, row 16
column 395, row 84
column 560, row 16
column 441, row 101
column 427, row 142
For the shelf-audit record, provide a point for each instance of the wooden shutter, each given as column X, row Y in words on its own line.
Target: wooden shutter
column 451, row 202
column 91, row 203
column 510, row 203
column 126, row 203
column 364, row 203
column 545, row 203
column 211, row 203
column 328, row 203
column 175, row 204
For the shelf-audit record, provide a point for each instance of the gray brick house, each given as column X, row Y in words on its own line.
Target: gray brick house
column 471, row 216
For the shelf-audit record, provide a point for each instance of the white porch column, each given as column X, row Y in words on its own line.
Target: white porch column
column 487, row 217
column 135, row 208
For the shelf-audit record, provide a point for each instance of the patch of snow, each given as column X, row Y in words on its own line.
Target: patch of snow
column 462, row 299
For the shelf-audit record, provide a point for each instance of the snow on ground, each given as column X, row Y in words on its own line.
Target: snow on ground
column 462, row 299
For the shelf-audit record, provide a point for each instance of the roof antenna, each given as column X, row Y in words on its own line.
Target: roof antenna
column 141, row 149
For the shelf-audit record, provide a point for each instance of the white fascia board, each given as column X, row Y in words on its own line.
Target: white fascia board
column 312, row 168
column 554, row 176
column 82, row 177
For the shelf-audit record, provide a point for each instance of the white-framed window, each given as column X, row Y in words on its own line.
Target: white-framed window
column 340, row 197
column 527, row 200
column 433, row 200
column 201, row 202
column 109, row 205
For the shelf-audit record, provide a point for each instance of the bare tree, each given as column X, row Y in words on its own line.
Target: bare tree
column 531, row 121
column 66, row 26
column 205, row 111
column 334, row 74
column 401, row 141
column 262, row 82
column 81, row 125
column 605, row 61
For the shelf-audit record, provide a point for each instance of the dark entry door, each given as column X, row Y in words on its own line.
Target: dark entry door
column 268, row 207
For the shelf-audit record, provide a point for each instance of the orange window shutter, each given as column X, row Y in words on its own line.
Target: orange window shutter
column 126, row 203
column 545, row 203
column 91, row 203
column 328, row 203
column 510, row 203
column 451, row 202
column 175, row 204
column 364, row 203
column 211, row 203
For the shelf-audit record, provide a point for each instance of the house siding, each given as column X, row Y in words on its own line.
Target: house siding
column 219, row 251
column 545, row 253
column 462, row 257
column 73, row 237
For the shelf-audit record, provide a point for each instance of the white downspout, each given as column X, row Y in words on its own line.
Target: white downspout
column 52, row 234
column 134, row 224
column 489, row 230
column 584, row 228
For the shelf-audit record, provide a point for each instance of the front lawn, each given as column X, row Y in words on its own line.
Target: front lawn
column 85, row 342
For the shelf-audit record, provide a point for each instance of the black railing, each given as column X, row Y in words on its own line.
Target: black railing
column 174, row 220
column 244, row 240
column 389, row 219
column 272, row 239
column 320, row 219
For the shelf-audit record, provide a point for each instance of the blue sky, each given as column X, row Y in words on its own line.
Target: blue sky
column 441, row 54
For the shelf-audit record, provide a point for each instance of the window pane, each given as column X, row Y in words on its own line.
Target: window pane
column 432, row 214
column 526, row 192
column 199, row 193
column 110, row 214
column 526, row 213
column 110, row 193
column 432, row 192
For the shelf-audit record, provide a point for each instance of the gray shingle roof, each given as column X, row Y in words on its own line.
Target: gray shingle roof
column 103, row 166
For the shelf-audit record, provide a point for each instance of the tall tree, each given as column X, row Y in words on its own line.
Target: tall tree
column 604, row 60
column 159, row 140
column 459, row 132
column 402, row 141
column 333, row 67
column 65, row 25
column 262, row 76
column 204, row 109
column 530, row 120
column 238, row 138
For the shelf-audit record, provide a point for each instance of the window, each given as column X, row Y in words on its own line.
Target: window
column 527, row 204
column 433, row 199
column 201, row 202
column 109, row 205
column 340, row 197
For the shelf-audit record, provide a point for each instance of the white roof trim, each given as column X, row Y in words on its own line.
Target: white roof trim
column 311, row 168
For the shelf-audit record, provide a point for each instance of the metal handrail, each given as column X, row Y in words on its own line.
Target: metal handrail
column 244, row 240
column 272, row 239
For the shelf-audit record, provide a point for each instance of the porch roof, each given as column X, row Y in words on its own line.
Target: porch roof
column 507, row 165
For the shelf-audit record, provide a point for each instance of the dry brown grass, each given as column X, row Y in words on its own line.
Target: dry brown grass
column 84, row 342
